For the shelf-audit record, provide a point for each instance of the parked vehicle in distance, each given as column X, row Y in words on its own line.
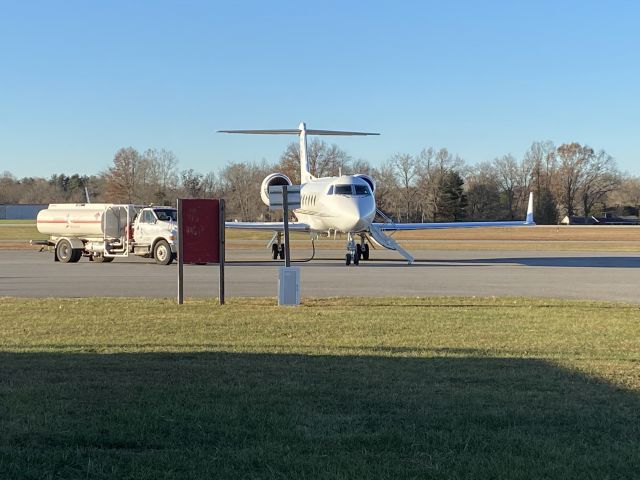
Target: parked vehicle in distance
column 104, row 231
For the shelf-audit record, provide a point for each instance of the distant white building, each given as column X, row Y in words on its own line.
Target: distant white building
column 20, row 211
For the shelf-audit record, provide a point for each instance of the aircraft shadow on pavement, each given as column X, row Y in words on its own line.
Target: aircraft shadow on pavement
column 574, row 262
column 561, row 261
column 238, row 415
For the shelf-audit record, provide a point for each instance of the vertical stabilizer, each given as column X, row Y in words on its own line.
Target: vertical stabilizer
column 305, row 176
column 529, row 219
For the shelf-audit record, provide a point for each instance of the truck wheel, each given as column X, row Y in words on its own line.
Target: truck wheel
column 76, row 255
column 162, row 253
column 64, row 251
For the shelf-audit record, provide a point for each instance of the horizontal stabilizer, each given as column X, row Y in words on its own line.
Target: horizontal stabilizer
column 296, row 131
column 290, row 131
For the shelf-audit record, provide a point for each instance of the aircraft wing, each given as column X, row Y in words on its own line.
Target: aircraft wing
column 269, row 226
column 427, row 226
column 441, row 225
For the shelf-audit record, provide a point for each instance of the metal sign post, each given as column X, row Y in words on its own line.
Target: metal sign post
column 180, row 256
column 285, row 210
column 221, row 240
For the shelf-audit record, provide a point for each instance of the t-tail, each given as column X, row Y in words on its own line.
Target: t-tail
column 302, row 132
column 529, row 219
column 305, row 174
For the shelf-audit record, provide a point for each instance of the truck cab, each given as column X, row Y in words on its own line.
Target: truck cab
column 155, row 234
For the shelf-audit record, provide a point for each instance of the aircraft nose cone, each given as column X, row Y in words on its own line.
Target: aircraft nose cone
column 360, row 215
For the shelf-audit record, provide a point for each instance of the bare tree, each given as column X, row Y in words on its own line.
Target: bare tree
column 406, row 168
column 508, row 176
column 483, row 192
column 127, row 177
column 191, row 183
column 211, row 185
column 542, row 156
column 600, row 177
column 438, row 171
column 572, row 167
column 241, row 189
column 324, row 160
column 388, row 198
column 163, row 170
column 627, row 194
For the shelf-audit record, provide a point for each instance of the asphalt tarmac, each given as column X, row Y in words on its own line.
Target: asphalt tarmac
column 571, row 275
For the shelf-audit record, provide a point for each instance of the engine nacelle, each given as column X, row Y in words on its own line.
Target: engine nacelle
column 369, row 180
column 272, row 180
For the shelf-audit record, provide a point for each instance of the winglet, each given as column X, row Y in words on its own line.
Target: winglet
column 529, row 219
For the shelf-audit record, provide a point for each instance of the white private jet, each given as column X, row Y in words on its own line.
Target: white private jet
column 343, row 204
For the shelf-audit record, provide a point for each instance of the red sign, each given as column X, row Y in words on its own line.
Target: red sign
column 200, row 230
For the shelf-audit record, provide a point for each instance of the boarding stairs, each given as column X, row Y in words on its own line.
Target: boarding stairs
column 383, row 240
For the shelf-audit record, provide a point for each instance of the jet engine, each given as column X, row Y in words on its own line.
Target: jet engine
column 369, row 180
column 270, row 181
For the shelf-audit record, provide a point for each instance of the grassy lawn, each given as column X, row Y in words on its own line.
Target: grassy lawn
column 349, row 388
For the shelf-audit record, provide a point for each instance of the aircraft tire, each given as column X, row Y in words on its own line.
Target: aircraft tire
column 347, row 258
column 365, row 252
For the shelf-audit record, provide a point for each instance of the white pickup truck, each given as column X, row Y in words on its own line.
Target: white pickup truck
column 104, row 231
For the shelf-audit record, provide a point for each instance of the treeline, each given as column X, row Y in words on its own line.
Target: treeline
column 432, row 185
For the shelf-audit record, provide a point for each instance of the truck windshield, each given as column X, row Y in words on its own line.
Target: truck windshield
column 166, row 214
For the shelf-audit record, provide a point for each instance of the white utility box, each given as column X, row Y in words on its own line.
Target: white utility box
column 289, row 286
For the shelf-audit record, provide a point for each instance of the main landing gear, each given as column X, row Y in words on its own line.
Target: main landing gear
column 356, row 251
column 277, row 247
column 277, row 251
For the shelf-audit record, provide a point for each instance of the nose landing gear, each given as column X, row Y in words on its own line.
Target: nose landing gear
column 356, row 252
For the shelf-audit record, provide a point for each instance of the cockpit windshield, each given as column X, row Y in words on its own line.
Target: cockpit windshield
column 166, row 214
column 361, row 190
column 343, row 190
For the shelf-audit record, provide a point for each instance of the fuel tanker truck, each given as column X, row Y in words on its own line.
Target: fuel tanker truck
column 104, row 231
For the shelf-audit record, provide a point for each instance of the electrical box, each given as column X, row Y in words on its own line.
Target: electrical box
column 289, row 286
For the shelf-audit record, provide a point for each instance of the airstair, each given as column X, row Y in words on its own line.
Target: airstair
column 383, row 240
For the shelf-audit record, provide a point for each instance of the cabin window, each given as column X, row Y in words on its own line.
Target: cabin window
column 330, row 192
column 343, row 190
column 361, row 190
column 147, row 217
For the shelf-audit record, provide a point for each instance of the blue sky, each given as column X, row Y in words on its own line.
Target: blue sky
column 80, row 79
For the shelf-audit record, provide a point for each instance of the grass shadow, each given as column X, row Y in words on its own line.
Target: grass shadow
column 237, row 415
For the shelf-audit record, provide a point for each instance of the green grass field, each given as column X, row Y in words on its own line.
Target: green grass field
column 349, row 388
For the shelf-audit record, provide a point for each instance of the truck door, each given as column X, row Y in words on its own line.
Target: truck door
column 145, row 230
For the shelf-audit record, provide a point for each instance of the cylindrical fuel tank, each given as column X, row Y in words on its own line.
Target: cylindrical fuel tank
column 78, row 220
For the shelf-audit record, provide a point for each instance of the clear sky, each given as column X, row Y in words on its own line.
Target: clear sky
column 80, row 79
